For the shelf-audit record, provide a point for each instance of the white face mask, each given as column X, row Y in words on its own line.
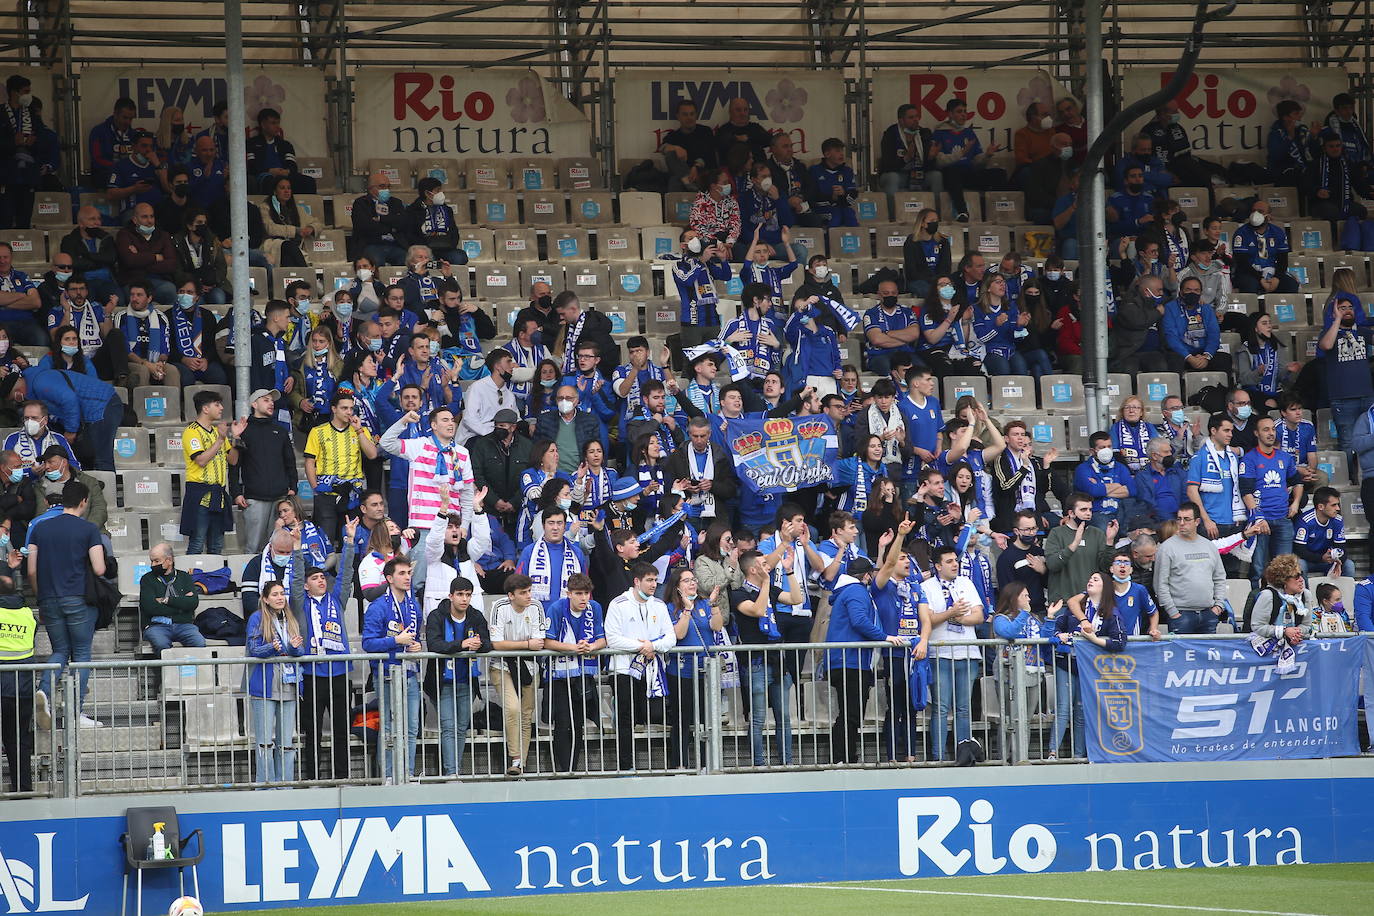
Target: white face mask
column 1052, row 275
column 1104, row 456
column 1257, row 219
column 1066, row 153
column 694, row 245
column 364, row 274
column 32, row 427
column 765, row 184
column 438, row 198
column 1046, row 122
column 566, row 406
column 822, row 271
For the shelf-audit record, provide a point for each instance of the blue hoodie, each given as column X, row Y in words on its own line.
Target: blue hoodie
column 853, row 618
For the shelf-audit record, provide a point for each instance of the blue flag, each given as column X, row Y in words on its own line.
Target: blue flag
column 1218, row 700
column 783, row 454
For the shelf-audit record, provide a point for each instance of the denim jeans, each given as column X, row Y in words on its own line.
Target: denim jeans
column 455, row 714
column 412, row 719
column 1279, row 540
column 1344, row 413
column 162, row 635
column 995, row 364
column 1066, row 693
column 1189, row 623
column 274, row 730
column 1034, row 363
column 383, row 254
column 70, row 623
column 769, row 686
column 207, row 532
column 953, row 687
column 102, row 433
column 1347, row 568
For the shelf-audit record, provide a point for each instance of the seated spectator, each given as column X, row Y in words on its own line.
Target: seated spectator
column 290, row 234
column 101, row 342
column 833, row 187
column 1284, row 607
column 137, row 178
column 689, row 150
column 904, row 162
column 793, row 177
column 1260, row 366
column 111, row 141
column 765, row 216
column 1319, row 537
column 1046, row 179
column 201, row 258
column 20, row 132
column 889, row 328
column 167, row 602
column 1108, row 481
column 1130, row 433
column 1175, row 427
column 1289, row 148
column 218, row 130
column 1260, row 249
column 92, row 251
column 208, row 175
column 1129, row 211
column 271, row 156
column 190, row 335
column 1142, row 154
column 65, row 353
column 1032, row 142
column 1159, row 484
column 1174, row 148
column 1064, row 217
column 715, row 213
column 1191, row 334
column 19, row 303
column 422, row 288
column 433, row 223
column 379, row 223
column 740, row 130
column 147, row 256
column 961, row 158
column 925, row 253
column 169, row 211
column 1074, row 125
column 1329, row 187
column 145, row 330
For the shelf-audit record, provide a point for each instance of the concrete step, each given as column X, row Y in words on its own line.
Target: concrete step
column 109, row 739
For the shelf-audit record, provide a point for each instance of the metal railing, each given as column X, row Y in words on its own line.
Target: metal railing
column 205, row 723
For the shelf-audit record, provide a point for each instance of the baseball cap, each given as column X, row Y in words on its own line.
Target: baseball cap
column 265, row 393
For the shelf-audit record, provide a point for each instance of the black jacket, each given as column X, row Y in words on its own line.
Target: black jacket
column 597, row 329
column 83, row 259
column 370, row 228
column 256, row 149
column 498, row 468
column 208, row 324
column 415, row 233
column 892, row 145
column 1006, row 489
column 19, row 504
column 724, row 484
column 435, row 640
column 611, row 574
column 266, row 468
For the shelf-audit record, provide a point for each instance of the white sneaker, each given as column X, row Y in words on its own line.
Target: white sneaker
column 88, row 722
column 42, row 712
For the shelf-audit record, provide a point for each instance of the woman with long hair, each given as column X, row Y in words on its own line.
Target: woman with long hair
column 1030, row 345
column 884, row 512
column 717, row 565
column 547, row 376
column 65, row 353
column 316, row 379
column 995, row 321
column 290, row 234
column 645, row 465
column 695, row 621
column 175, row 145
column 273, row 688
column 360, row 377
column 1260, row 368
column 543, row 467
column 290, row 514
column 386, row 542
column 593, row 481
column 925, row 254
column 857, row 475
column 1089, row 615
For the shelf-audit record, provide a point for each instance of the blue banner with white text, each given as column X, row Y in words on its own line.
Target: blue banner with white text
column 1200, row 701
column 783, row 454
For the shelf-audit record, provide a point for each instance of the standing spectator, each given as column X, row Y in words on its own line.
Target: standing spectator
column 1159, row 484
column 1190, row 581
column 498, row 459
column 264, row 469
column 756, row 604
column 925, row 255
column 1033, row 141
column 205, row 507
column 271, row 156
column 137, row 178
column 715, row 212
column 17, row 631
column 393, row 625
column 904, row 162
column 19, row 302
column 145, row 331
column 146, row 254
column 456, row 626
column 688, row 150
column 1021, row 484
column 1260, row 250
column 518, row 623
column 1273, row 494
column 325, row 685
column 167, row 602
column 1214, row 480
column 334, row 454
column 740, row 130
column 82, row 403
column 1344, row 349
column 702, row 262
column 1289, row 147
column 379, row 223
column 551, row 561
column 961, row 158
column 696, row 620
column 57, row 470
column 169, row 212
column 1319, row 536
column 575, row 628
column 1023, row 560
column 1073, row 548
column 955, row 609
column 637, row 621
column 111, row 140
column 274, row 632
column 63, row 551
column 20, row 133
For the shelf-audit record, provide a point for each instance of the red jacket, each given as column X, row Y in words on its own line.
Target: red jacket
column 1069, row 338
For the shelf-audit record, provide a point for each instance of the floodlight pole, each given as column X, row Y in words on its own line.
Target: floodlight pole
column 238, row 203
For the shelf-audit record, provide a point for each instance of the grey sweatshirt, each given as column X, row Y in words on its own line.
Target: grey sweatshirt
column 1188, row 575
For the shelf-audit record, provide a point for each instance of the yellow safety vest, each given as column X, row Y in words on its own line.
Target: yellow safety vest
column 17, row 630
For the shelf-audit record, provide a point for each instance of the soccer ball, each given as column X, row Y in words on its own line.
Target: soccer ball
column 186, row 906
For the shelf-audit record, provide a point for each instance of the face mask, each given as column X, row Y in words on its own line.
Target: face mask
column 32, row 427
column 1243, row 412
column 4, row 347
column 1121, row 579
column 1046, row 122
column 545, row 302
column 1052, row 275
column 375, row 344
column 4, row 543
column 566, row 406
column 25, row 99
column 1257, row 219
column 1135, row 187
column 186, row 300
column 1176, row 118
column 548, row 382
column 281, row 559
column 384, row 195
column 565, row 503
column 1338, row 607
column 343, row 310
column 303, row 306
column 1192, row 299
column 364, row 274
column 395, row 542
column 53, row 475
column 694, row 245
column 766, row 184
column 889, row 302
column 70, row 349
column 1066, row 153
column 438, row 198
column 62, row 275
column 178, row 129
column 630, row 507
column 16, row 475
column 1178, row 417
column 822, row 271
column 1103, row 456
column 1167, row 462
column 725, row 190
column 146, row 231
column 933, row 226
column 641, row 596
column 319, row 352
column 140, row 159
column 946, row 292
column 433, row 348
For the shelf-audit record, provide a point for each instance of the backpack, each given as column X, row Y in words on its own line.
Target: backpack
column 1250, row 606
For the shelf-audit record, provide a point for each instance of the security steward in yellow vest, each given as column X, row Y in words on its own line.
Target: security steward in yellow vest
column 17, row 631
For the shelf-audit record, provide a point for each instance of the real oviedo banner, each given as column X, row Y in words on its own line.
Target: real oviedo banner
column 1231, row 111
column 997, row 98
column 783, row 454
column 457, row 113
column 694, row 838
column 1189, row 701
column 807, row 105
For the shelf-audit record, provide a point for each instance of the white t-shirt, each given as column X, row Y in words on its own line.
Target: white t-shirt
column 960, row 587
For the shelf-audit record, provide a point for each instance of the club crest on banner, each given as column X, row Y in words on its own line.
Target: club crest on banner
column 1119, row 713
column 782, row 454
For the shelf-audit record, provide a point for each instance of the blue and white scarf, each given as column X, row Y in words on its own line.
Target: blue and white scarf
column 570, row 345
column 651, row 672
column 188, row 332
column 654, row 533
column 541, row 569
column 326, row 625
column 734, row 359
